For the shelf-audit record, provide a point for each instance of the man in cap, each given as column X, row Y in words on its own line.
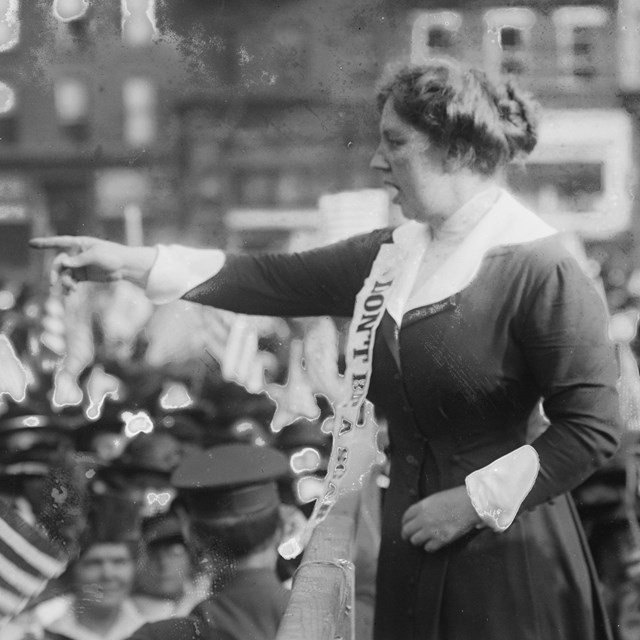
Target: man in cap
column 167, row 584
column 231, row 497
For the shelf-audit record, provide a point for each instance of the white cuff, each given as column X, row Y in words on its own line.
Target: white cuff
column 179, row 269
column 497, row 490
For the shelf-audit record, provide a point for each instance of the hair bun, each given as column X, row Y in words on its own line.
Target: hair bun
column 518, row 114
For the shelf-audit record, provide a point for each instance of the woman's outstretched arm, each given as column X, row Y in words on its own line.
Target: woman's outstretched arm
column 322, row 281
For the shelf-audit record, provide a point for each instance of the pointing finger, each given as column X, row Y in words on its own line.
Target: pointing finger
column 58, row 242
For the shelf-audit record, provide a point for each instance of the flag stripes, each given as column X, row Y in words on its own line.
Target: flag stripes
column 28, row 560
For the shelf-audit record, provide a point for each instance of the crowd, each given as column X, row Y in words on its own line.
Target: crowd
column 178, row 523
column 175, row 531
column 99, row 477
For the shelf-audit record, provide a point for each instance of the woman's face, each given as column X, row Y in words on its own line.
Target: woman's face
column 103, row 575
column 412, row 168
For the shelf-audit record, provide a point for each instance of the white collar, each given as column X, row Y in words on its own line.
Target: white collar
column 128, row 621
column 506, row 222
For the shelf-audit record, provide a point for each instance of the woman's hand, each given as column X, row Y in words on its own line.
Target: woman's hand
column 82, row 258
column 439, row 519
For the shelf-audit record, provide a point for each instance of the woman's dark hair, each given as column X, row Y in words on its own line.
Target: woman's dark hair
column 480, row 125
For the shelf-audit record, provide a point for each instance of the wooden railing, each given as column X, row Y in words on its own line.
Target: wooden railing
column 321, row 606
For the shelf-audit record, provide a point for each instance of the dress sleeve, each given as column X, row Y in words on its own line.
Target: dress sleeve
column 566, row 345
column 323, row 281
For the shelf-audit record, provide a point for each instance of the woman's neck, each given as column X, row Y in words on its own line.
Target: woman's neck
column 471, row 209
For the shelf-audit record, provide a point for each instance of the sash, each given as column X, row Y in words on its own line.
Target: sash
column 354, row 451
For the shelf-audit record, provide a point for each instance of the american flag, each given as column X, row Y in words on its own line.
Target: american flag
column 28, row 561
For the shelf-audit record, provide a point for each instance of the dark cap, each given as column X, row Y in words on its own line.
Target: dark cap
column 155, row 452
column 229, row 480
column 31, row 443
column 111, row 519
column 86, row 434
column 162, row 528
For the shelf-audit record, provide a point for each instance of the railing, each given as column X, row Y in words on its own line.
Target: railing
column 322, row 599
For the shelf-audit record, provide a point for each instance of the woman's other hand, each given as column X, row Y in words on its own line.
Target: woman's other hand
column 439, row 519
column 83, row 258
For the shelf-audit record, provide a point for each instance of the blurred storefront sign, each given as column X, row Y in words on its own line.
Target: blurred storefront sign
column 349, row 213
column 13, row 213
column 338, row 216
column 579, row 175
column 257, row 229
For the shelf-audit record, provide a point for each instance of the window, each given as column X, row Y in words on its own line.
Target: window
column 289, row 52
column 434, row 33
column 273, row 57
column 507, row 40
column 72, row 104
column 8, row 113
column 257, row 187
column 7, row 100
column 578, row 175
column 139, row 22
column 73, row 30
column 9, row 24
column 559, row 186
column 579, row 31
column 70, row 10
column 628, row 36
column 140, row 105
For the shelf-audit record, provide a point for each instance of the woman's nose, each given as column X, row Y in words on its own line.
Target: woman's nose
column 108, row 570
column 378, row 161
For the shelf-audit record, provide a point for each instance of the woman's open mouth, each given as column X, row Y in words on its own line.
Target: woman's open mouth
column 394, row 192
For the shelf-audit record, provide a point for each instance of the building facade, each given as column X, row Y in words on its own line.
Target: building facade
column 225, row 123
column 86, row 137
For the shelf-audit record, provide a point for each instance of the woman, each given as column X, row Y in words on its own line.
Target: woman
column 96, row 603
column 485, row 315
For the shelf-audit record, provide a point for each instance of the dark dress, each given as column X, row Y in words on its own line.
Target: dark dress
column 458, row 383
column 249, row 607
